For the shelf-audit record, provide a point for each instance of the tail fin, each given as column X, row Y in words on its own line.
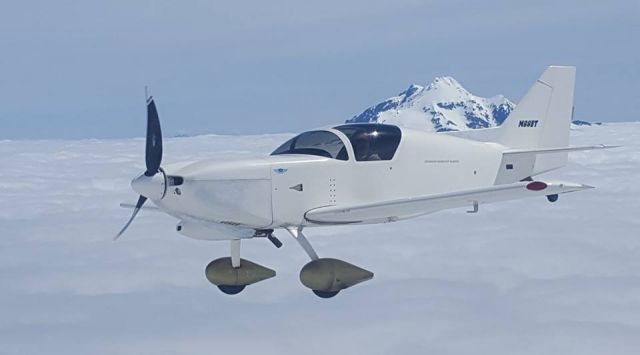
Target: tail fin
column 542, row 118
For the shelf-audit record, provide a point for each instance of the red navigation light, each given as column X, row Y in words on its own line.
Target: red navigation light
column 536, row 186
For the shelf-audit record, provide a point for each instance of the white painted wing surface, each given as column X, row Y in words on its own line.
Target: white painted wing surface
column 415, row 206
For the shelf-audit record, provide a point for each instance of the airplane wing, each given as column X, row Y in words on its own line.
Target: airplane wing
column 416, row 206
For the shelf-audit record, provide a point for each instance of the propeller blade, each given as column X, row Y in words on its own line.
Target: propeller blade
column 153, row 154
column 139, row 204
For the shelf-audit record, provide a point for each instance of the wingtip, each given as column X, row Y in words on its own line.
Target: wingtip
column 579, row 186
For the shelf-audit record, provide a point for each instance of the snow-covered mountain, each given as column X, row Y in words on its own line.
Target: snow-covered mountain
column 443, row 105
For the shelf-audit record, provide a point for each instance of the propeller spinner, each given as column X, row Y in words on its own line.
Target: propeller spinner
column 150, row 184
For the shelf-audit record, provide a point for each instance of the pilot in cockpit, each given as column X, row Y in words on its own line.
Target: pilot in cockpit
column 363, row 149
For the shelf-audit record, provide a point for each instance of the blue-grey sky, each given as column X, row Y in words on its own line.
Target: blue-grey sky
column 77, row 69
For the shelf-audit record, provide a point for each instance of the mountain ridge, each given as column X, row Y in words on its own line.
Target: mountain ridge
column 442, row 105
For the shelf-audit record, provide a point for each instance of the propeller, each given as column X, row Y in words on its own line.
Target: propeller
column 153, row 152
column 141, row 201
column 148, row 185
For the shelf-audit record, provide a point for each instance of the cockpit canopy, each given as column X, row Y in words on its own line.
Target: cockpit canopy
column 370, row 142
column 322, row 143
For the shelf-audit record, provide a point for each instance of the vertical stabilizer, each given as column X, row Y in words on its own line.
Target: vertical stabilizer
column 542, row 118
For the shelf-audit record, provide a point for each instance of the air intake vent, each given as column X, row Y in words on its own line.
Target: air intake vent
column 173, row 180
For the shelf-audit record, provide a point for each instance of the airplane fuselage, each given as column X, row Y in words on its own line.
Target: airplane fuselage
column 277, row 191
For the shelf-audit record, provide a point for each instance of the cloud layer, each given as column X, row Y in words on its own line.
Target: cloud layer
column 526, row 277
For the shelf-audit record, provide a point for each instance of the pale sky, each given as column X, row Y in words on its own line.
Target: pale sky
column 77, row 69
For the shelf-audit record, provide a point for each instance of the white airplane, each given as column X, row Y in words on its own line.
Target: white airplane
column 359, row 174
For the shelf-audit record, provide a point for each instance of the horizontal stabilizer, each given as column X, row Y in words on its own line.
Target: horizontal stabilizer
column 560, row 150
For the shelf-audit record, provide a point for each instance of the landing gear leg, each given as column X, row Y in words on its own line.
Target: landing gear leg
column 235, row 253
column 296, row 233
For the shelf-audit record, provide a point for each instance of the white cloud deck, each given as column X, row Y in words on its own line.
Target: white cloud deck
column 556, row 279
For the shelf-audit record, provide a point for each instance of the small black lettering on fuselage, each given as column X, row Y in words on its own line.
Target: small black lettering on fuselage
column 528, row 123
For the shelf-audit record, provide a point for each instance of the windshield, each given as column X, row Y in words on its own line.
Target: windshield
column 321, row 143
column 372, row 142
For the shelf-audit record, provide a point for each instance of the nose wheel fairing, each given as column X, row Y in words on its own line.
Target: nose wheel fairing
column 231, row 280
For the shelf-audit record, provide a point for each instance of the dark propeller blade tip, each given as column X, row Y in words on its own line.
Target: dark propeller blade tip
column 153, row 153
column 141, row 201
